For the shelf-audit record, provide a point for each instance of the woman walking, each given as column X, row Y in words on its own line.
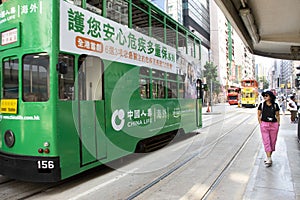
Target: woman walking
column 269, row 120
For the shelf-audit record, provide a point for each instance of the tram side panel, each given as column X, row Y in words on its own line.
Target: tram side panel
column 91, row 133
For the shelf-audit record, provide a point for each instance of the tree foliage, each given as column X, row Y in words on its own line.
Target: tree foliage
column 211, row 74
column 265, row 82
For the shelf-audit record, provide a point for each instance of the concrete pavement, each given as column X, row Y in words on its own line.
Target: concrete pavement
column 282, row 180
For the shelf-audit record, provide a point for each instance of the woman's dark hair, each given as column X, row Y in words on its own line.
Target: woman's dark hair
column 273, row 101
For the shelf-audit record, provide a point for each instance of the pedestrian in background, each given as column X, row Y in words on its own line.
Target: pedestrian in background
column 283, row 105
column 269, row 120
column 292, row 107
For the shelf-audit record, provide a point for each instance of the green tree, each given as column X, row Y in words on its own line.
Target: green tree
column 211, row 74
column 265, row 82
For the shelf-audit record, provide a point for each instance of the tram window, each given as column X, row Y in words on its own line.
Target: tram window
column 36, row 77
column 95, row 6
column 145, row 71
column 157, row 28
column 75, row 2
column 191, row 47
column 171, row 33
column 182, row 45
column 171, row 76
column 158, row 74
column 158, row 84
column 181, row 90
column 197, row 50
column 158, row 89
column 10, row 78
column 140, row 12
column 66, row 81
column 145, row 88
column 172, row 85
column 145, row 83
column 117, row 11
column 172, row 89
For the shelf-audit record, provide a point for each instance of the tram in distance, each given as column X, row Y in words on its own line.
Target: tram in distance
column 83, row 85
column 250, row 95
column 233, row 95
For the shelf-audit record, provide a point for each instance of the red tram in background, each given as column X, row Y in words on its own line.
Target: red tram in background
column 233, row 95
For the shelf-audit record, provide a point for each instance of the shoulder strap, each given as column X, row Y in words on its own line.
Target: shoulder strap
column 262, row 106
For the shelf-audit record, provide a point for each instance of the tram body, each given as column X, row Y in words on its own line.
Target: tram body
column 250, row 97
column 233, row 95
column 72, row 100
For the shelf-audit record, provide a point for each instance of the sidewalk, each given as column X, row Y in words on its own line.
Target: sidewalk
column 282, row 180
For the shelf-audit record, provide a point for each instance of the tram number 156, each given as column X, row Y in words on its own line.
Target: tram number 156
column 45, row 164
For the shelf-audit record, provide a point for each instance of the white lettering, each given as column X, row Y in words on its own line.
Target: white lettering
column 45, row 164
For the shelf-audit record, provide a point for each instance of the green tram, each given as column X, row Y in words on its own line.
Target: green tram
column 86, row 82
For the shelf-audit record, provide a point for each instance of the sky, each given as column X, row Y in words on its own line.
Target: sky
column 159, row 3
column 264, row 61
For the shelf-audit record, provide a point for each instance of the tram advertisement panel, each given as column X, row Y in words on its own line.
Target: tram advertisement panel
column 82, row 31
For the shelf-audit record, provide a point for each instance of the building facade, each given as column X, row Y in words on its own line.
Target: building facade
column 235, row 62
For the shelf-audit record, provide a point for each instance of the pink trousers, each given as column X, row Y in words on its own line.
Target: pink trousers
column 269, row 132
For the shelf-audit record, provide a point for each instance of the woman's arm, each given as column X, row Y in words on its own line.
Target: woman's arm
column 259, row 115
column 278, row 117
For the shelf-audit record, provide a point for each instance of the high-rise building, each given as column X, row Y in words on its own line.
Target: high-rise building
column 174, row 9
column 234, row 60
column 196, row 17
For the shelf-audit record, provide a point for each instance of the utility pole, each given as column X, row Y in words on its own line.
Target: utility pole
column 211, row 97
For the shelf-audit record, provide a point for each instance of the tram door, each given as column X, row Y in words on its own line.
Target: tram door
column 91, row 109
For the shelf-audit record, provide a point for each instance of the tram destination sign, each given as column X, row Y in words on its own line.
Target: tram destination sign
column 9, row 37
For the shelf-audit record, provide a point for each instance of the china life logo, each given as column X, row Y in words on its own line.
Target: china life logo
column 117, row 119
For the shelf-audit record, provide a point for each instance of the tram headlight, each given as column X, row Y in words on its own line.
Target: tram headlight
column 9, row 138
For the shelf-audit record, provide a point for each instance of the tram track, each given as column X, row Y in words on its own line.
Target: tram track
column 168, row 173
column 216, row 122
column 224, row 170
column 23, row 190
